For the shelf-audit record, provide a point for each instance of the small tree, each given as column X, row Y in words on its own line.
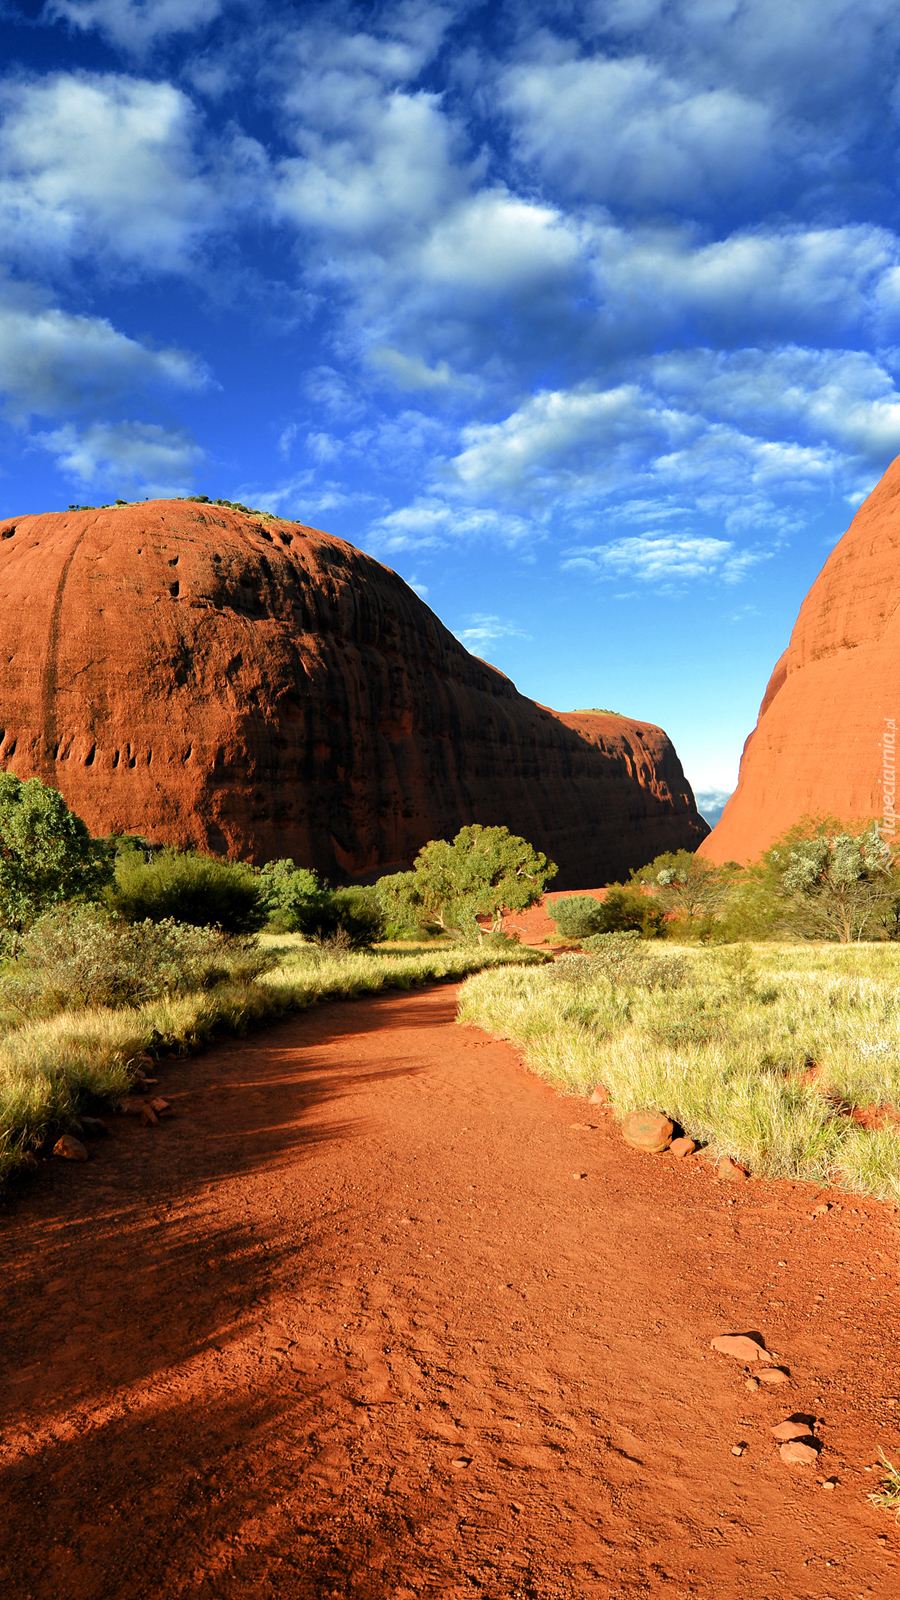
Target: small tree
column 687, row 884
column 484, row 872
column 835, row 886
column 289, row 889
column 46, row 855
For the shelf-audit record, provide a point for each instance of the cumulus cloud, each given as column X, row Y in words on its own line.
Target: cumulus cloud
column 665, row 561
column 135, row 24
column 125, row 454
column 624, row 131
column 52, row 362
column 104, row 166
column 434, row 523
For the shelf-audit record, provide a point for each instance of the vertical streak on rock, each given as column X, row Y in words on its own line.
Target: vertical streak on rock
column 49, row 722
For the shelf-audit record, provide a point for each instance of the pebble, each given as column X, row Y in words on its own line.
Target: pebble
column 791, row 1430
column 94, row 1125
column 798, row 1452
column 772, row 1375
column 70, row 1149
column 732, row 1170
column 752, row 1383
column 600, row 1096
column 683, row 1146
column 647, row 1130
column 579, row 1174
column 739, row 1345
column 737, row 1449
column 149, row 1119
column 161, row 1107
column 830, row 1483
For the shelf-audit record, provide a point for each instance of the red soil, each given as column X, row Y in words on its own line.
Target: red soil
column 378, row 1314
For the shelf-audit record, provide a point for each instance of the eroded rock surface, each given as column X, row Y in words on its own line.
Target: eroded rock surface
column 833, row 697
column 253, row 687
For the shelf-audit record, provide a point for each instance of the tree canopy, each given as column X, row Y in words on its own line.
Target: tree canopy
column 47, row 855
column 481, row 874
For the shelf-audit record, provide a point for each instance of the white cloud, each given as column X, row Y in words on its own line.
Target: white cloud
column 123, row 454
column 411, row 372
column 52, row 362
column 135, row 24
column 436, row 523
column 101, row 166
column 484, row 629
column 664, row 560
column 624, row 131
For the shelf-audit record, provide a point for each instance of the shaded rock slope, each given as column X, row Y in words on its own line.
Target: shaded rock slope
column 828, row 718
column 253, row 687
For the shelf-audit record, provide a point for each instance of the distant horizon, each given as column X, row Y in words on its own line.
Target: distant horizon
column 585, row 319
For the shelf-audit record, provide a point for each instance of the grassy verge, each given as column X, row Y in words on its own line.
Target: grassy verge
column 759, row 1054
column 54, row 1067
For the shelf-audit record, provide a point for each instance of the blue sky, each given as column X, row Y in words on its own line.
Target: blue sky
column 585, row 317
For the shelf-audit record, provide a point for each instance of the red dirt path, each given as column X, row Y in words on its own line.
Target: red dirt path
column 350, row 1326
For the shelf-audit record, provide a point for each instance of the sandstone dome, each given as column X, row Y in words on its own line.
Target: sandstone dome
column 833, row 700
column 249, row 686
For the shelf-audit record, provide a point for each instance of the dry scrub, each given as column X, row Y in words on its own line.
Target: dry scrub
column 760, row 1053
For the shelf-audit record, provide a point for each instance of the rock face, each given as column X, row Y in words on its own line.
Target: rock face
column 825, row 739
column 253, row 687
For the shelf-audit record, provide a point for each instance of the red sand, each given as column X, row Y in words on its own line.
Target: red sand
column 351, row 1326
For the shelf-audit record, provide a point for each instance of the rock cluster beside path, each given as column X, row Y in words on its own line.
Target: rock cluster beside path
column 794, row 1436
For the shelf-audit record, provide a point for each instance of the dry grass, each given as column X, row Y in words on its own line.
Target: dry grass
column 53, row 1066
column 729, row 1052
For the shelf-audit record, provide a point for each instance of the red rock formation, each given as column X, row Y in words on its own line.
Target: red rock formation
column 833, row 698
column 249, row 686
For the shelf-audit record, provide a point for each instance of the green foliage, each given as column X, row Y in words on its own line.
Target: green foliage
column 46, row 855
column 342, row 919
column 581, row 916
column 288, row 889
column 834, row 886
column 577, row 916
column 482, row 873
column 78, row 955
column 687, row 885
column 201, row 891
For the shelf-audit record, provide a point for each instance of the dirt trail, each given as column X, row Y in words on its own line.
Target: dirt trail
column 350, row 1325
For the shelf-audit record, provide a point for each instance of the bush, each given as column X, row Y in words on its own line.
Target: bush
column 623, row 911
column 46, row 856
column 200, row 891
column 78, row 956
column 348, row 919
column 288, row 889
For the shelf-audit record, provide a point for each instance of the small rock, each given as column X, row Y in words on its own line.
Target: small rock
column 752, row 1383
column 799, row 1452
column 600, row 1096
column 579, row 1174
column 683, row 1146
column 820, row 1211
column 737, row 1449
column 726, row 1168
column 161, row 1107
column 772, row 1375
column 647, row 1130
column 830, row 1483
column 739, row 1345
column 461, row 1463
column 149, row 1119
column 129, row 1108
column 70, row 1149
column 790, row 1430
column 94, row 1127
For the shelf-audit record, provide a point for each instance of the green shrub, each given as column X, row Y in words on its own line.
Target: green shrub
column 46, row 856
column 78, row 956
column 580, row 916
column 349, row 919
column 201, row 891
column 576, row 917
column 288, row 888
